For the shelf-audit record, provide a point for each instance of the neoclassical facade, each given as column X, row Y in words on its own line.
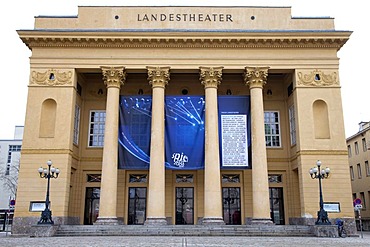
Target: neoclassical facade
column 183, row 115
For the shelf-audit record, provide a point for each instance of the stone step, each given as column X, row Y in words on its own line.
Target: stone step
column 176, row 230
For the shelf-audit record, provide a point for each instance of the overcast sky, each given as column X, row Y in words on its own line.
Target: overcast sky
column 349, row 15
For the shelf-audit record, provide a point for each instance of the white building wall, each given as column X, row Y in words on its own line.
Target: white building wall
column 7, row 179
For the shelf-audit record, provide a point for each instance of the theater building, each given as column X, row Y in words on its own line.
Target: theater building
column 183, row 115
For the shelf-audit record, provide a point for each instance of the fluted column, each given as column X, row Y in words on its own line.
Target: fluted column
column 114, row 78
column 211, row 78
column 158, row 77
column 255, row 78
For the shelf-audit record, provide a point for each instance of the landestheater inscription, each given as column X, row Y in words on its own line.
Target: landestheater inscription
column 200, row 17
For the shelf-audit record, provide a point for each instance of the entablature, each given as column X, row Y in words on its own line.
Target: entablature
column 98, row 39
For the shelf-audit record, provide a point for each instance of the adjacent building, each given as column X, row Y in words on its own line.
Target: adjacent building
column 183, row 115
column 359, row 156
column 10, row 154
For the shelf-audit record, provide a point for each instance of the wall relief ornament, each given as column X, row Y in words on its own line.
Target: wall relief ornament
column 317, row 78
column 255, row 76
column 210, row 76
column 158, row 76
column 114, row 76
column 52, row 77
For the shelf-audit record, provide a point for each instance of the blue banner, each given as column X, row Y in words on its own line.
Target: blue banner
column 184, row 132
column 134, row 132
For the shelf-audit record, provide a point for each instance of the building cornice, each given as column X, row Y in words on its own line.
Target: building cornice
column 183, row 39
column 360, row 132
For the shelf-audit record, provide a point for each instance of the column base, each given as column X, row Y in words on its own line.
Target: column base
column 261, row 221
column 106, row 221
column 155, row 221
column 213, row 221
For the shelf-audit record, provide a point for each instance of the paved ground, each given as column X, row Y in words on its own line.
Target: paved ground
column 10, row 241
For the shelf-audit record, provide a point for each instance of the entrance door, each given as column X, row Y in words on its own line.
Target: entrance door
column 184, row 206
column 277, row 206
column 91, row 205
column 231, row 206
column 136, row 206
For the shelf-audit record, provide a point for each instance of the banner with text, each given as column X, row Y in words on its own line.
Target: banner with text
column 234, row 131
column 184, row 132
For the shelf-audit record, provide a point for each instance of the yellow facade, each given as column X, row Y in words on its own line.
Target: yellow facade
column 68, row 62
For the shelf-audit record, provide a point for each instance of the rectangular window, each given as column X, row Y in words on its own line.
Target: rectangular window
column 364, row 146
column 362, row 197
column 12, row 148
column 359, row 173
column 272, row 129
column 292, row 125
column 349, row 151
column 184, row 178
column 230, row 178
column 91, row 178
column 97, row 128
column 138, row 178
column 15, row 148
column 354, row 196
column 356, row 148
column 367, row 168
column 76, row 126
column 275, row 179
column 7, row 171
column 352, row 173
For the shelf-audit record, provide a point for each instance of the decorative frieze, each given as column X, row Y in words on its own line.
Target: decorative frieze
column 210, row 76
column 317, row 78
column 51, row 77
column 114, row 76
column 158, row 76
column 255, row 76
column 184, row 41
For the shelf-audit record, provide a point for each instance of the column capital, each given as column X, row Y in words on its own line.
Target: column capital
column 158, row 76
column 210, row 77
column 255, row 77
column 114, row 76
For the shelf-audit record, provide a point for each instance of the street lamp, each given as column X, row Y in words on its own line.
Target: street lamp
column 317, row 172
column 47, row 173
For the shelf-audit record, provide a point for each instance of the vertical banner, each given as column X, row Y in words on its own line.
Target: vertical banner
column 234, row 131
column 185, row 132
column 134, row 132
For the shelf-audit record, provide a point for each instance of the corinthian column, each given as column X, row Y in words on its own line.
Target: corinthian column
column 158, row 77
column 255, row 78
column 114, row 78
column 211, row 78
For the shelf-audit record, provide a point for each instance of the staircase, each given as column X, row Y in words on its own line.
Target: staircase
column 184, row 230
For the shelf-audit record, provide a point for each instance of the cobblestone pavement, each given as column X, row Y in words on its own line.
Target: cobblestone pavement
column 154, row 241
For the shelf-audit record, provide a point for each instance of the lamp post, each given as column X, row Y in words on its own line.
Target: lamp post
column 47, row 173
column 317, row 172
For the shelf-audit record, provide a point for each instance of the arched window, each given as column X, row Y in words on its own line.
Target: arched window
column 321, row 120
column 48, row 118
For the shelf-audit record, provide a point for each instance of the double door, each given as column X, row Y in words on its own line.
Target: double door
column 184, row 206
column 231, row 205
column 136, row 206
